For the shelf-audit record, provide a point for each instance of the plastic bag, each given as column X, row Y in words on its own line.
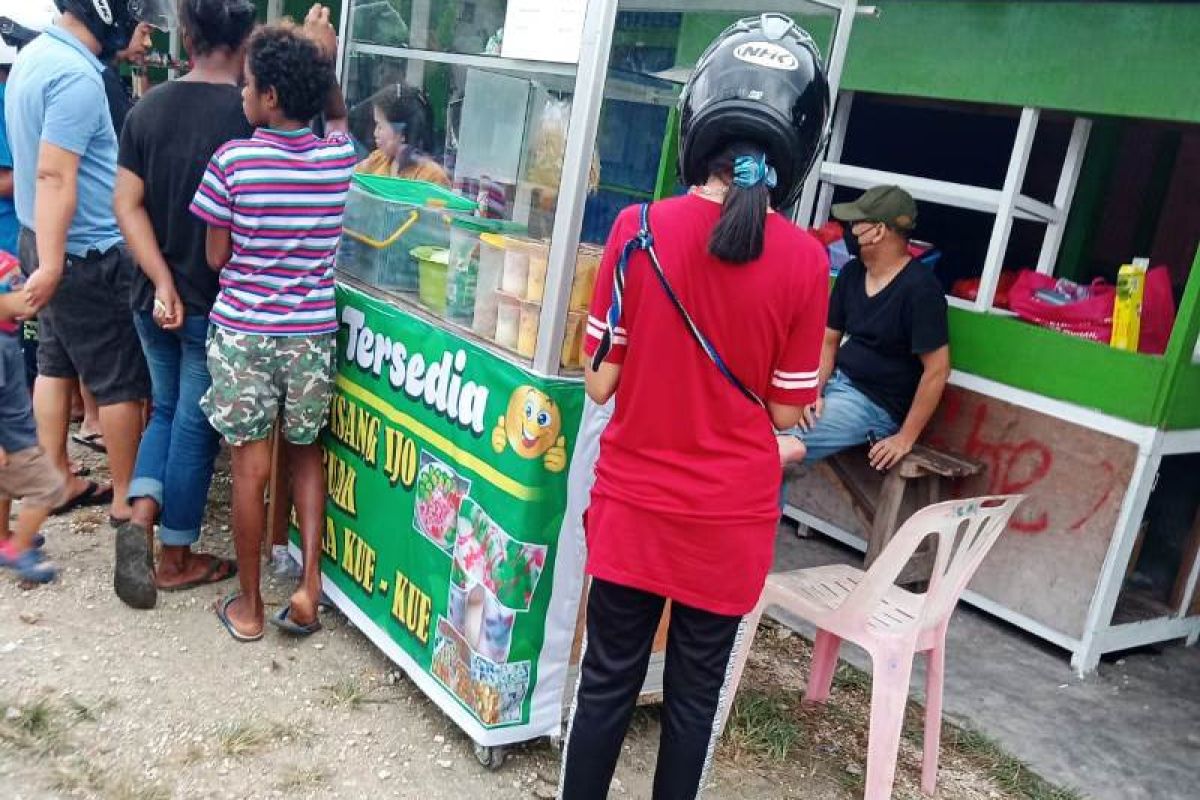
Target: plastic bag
column 549, row 147
column 1044, row 301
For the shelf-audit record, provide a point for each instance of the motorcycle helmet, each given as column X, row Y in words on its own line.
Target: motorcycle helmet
column 22, row 21
column 112, row 22
column 760, row 82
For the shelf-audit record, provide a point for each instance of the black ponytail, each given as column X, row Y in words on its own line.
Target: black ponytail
column 738, row 237
column 213, row 24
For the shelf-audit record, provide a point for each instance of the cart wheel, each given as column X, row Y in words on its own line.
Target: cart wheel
column 492, row 758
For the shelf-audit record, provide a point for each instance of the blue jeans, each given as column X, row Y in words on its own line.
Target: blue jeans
column 846, row 420
column 175, row 460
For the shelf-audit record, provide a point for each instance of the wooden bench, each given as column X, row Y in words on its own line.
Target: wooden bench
column 924, row 469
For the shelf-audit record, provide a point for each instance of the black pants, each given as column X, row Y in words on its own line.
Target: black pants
column 621, row 623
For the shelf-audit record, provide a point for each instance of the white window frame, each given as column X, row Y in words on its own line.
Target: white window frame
column 1006, row 204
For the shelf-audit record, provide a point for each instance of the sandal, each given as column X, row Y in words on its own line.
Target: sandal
column 92, row 441
column 93, row 495
column 283, row 620
column 219, row 569
column 222, row 611
column 30, row 566
column 133, row 573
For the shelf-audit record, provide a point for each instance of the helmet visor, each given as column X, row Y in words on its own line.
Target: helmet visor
column 160, row 14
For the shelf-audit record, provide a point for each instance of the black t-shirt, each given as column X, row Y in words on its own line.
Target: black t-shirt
column 888, row 332
column 168, row 139
column 120, row 103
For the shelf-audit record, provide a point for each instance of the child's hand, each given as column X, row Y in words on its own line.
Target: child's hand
column 14, row 306
column 318, row 28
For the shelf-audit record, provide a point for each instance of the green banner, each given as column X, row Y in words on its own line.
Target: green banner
column 447, row 480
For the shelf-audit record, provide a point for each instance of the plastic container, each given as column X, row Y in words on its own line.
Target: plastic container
column 463, row 276
column 463, row 272
column 491, row 270
column 572, row 351
column 432, row 263
column 508, row 321
column 587, row 264
column 527, row 330
column 386, row 219
column 516, row 268
column 539, row 262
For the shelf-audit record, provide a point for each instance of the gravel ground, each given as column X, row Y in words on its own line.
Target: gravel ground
column 97, row 700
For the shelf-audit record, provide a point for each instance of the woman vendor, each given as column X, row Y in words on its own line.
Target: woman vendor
column 403, row 125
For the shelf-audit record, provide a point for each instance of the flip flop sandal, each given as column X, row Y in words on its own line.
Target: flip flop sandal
column 284, row 622
column 222, row 611
column 213, row 574
column 92, row 441
column 31, row 567
column 93, row 495
column 133, row 573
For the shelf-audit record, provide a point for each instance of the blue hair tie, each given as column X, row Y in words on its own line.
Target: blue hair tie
column 750, row 171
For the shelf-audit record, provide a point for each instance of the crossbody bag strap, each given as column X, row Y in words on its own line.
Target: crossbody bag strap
column 644, row 240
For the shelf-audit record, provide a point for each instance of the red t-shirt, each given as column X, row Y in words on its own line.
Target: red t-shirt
column 686, row 498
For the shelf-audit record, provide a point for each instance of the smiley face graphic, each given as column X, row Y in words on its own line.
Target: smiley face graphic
column 532, row 426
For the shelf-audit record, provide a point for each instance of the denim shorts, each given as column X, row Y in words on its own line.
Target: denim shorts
column 848, row 418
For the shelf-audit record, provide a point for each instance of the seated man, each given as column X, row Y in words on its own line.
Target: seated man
column 886, row 355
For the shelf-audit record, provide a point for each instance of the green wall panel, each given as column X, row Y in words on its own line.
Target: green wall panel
column 1179, row 398
column 1052, row 364
column 1126, row 59
column 1183, row 409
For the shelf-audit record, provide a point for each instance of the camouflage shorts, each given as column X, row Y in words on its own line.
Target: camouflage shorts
column 256, row 377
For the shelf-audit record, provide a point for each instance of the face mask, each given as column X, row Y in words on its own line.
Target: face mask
column 852, row 246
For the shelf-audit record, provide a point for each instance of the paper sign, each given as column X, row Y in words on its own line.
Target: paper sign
column 544, row 30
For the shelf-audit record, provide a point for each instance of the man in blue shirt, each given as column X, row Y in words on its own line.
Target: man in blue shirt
column 65, row 157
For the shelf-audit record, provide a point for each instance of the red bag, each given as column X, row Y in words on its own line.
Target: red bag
column 1090, row 317
column 1158, row 312
column 828, row 233
column 968, row 288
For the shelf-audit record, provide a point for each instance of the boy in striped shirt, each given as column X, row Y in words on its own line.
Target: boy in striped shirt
column 273, row 204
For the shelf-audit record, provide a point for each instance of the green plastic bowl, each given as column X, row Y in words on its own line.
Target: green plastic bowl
column 432, row 263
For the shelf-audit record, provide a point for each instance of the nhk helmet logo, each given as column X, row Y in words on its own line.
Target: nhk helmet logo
column 104, row 10
column 766, row 54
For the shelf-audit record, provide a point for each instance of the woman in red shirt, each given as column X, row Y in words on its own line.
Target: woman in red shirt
column 705, row 360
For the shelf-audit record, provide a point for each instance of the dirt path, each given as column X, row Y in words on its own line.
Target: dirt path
column 97, row 700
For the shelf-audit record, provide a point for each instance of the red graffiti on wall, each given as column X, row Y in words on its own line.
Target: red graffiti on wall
column 1018, row 467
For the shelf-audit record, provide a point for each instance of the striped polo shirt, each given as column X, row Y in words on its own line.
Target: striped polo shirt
column 281, row 194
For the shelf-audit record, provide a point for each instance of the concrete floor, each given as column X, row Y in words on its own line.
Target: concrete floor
column 1129, row 732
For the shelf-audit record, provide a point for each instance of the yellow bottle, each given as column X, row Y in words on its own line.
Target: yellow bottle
column 1127, row 307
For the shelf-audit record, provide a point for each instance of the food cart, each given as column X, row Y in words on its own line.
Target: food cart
column 459, row 451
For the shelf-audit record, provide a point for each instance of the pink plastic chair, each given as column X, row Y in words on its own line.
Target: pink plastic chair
column 891, row 623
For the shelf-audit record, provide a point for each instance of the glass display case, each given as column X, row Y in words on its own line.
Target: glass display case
column 477, row 204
